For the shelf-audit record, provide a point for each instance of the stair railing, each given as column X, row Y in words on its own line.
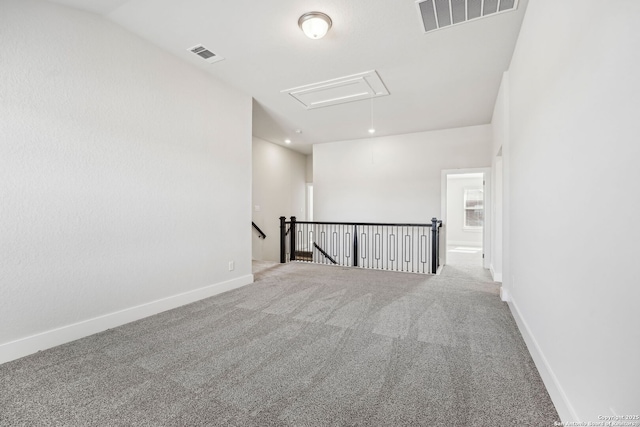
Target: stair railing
column 383, row 246
column 261, row 234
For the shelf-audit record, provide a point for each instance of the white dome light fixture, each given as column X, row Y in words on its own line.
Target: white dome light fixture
column 315, row 25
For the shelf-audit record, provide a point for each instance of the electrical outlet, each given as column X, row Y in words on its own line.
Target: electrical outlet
column 231, row 265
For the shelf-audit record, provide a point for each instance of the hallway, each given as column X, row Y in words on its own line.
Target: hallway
column 464, row 255
column 466, row 262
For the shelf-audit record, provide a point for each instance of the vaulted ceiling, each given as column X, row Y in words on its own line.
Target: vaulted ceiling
column 442, row 79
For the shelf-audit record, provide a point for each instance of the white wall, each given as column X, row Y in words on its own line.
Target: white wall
column 457, row 234
column 309, row 188
column 309, row 171
column 278, row 190
column 125, row 178
column 393, row 178
column 574, row 98
column 497, row 221
column 499, row 165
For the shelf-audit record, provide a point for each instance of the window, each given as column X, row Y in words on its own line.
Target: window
column 473, row 208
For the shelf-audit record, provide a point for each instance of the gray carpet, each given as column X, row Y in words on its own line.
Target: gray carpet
column 466, row 263
column 306, row 345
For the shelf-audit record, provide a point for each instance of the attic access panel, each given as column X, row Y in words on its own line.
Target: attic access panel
column 351, row 88
column 436, row 14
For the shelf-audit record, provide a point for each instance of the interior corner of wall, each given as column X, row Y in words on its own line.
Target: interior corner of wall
column 497, row 277
column 504, row 294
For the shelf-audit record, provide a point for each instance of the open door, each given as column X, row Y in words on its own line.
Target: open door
column 465, row 210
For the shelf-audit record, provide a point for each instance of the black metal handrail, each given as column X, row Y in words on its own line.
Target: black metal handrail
column 407, row 247
column 365, row 223
column 323, row 252
column 261, row 234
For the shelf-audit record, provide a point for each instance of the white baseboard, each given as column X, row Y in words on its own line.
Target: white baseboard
column 556, row 392
column 463, row 243
column 497, row 277
column 504, row 294
column 44, row 340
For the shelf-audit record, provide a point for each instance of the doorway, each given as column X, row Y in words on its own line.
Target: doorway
column 465, row 217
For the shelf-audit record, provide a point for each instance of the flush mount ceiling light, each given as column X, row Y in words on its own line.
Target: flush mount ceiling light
column 314, row 24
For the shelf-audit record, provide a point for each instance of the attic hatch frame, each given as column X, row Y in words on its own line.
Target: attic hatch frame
column 341, row 90
column 501, row 6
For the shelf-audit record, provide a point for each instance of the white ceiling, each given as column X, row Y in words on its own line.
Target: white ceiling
column 444, row 79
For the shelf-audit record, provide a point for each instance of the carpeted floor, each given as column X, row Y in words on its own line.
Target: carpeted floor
column 465, row 262
column 305, row 345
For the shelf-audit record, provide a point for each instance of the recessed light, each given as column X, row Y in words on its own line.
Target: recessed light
column 372, row 130
column 287, row 141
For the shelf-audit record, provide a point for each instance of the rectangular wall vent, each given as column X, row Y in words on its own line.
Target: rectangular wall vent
column 356, row 87
column 436, row 14
column 205, row 54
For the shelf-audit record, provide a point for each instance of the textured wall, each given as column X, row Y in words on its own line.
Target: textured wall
column 309, row 172
column 393, row 178
column 278, row 190
column 574, row 98
column 125, row 174
column 499, row 168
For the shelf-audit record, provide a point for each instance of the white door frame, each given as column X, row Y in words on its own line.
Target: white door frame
column 486, row 228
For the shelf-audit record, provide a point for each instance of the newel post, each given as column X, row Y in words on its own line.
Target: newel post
column 283, row 242
column 292, row 229
column 435, row 243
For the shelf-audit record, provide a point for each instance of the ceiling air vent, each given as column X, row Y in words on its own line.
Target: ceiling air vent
column 205, row 54
column 436, row 14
